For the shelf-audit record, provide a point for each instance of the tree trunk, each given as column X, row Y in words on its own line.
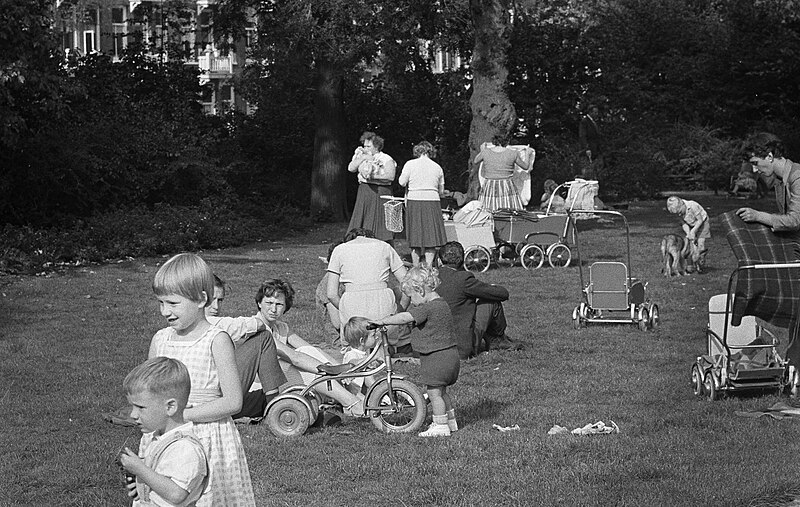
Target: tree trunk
column 328, row 190
column 492, row 110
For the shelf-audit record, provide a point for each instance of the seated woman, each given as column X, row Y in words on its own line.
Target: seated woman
column 299, row 359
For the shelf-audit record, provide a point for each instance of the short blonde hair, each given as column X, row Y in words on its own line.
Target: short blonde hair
column 421, row 279
column 674, row 204
column 355, row 330
column 161, row 376
column 187, row 275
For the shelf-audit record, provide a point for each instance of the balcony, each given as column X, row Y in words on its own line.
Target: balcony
column 214, row 67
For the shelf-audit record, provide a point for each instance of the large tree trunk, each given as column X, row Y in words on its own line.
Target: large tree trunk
column 328, row 191
column 492, row 110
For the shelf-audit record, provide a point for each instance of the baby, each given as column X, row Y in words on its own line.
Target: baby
column 360, row 343
column 695, row 225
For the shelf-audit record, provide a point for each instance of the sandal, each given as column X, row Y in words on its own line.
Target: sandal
column 355, row 410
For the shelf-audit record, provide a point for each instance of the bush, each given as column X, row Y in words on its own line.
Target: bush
column 139, row 231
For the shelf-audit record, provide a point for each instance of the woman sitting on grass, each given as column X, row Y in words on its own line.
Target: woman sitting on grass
column 298, row 358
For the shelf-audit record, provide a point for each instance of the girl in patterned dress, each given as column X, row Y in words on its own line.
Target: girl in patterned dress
column 183, row 286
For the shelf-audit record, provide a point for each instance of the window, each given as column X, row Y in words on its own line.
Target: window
column 118, row 32
column 88, row 41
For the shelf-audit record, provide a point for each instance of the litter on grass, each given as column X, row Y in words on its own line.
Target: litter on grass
column 503, row 429
column 598, row 428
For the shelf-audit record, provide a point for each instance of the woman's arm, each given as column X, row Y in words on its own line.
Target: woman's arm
column 333, row 289
column 231, row 400
column 296, row 342
column 404, row 175
column 356, row 162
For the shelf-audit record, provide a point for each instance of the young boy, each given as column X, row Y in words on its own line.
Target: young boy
column 695, row 224
column 171, row 468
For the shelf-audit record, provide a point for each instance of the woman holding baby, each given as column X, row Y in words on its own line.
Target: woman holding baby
column 376, row 172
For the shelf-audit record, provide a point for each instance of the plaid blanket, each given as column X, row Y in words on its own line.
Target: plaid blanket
column 769, row 294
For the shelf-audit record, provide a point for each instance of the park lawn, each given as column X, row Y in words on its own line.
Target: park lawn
column 68, row 339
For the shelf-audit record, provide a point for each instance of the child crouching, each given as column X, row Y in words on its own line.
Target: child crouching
column 433, row 337
column 171, row 468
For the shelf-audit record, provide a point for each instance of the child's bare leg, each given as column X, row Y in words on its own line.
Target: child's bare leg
column 415, row 254
column 448, row 403
column 346, row 398
column 438, row 403
column 430, row 253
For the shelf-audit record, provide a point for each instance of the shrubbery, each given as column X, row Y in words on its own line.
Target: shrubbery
column 139, row 231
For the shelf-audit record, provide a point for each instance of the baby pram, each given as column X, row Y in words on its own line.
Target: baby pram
column 741, row 353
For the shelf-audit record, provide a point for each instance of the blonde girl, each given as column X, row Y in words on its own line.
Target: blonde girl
column 433, row 337
column 184, row 286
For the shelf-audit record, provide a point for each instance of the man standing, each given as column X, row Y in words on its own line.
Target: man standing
column 765, row 152
column 591, row 144
column 476, row 306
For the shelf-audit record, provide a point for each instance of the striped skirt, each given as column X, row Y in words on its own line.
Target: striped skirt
column 496, row 194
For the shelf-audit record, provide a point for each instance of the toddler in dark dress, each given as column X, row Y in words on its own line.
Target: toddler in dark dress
column 433, row 337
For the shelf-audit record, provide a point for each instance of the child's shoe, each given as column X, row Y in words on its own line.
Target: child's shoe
column 451, row 420
column 438, row 428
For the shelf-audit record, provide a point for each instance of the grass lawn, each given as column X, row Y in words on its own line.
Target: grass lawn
column 67, row 341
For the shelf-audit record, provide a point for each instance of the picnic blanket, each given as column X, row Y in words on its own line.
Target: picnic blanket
column 769, row 294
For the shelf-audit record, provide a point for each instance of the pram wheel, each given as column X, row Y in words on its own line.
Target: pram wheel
column 532, row 257
column 577, row 321
column 411, row 407
column 644, row 319
column 559, row 255
column 697, row 381
column 655, row 318
column 477, row 259
column 710, row 386
column 288, row 416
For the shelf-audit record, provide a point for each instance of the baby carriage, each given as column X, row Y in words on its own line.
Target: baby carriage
column 742, row 357
column 741, row 353
column 611, row 295
column 532, row 238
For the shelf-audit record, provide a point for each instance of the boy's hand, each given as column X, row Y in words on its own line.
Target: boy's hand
column 131, row 462
column 131, row 487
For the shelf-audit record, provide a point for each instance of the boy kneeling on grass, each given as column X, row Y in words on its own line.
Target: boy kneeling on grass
column 171, row 468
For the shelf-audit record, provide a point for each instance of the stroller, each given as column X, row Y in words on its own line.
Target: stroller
column 741, row 354
column 743, row 357
column 611, row 295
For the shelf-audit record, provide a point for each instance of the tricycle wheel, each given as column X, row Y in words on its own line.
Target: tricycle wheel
column 532, row 257
column 288, row 417
column 477, row 259
column 697, row 381
column 409, row 414
column 559, row 255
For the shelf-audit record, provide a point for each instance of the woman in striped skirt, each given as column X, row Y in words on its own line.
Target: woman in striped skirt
column 499, row 163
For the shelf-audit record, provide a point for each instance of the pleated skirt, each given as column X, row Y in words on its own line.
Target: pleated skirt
column 368, row 211
column 424, row 224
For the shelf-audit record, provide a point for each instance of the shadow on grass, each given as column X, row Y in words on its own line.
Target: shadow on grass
column 243, row 260
column 481, row 409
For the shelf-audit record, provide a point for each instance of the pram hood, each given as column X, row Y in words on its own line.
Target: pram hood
column 770, row 294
